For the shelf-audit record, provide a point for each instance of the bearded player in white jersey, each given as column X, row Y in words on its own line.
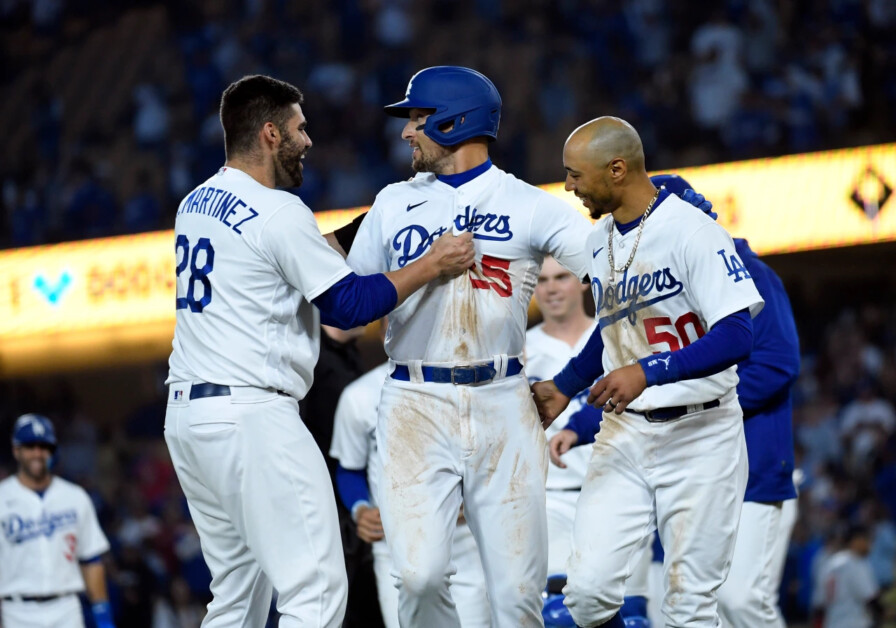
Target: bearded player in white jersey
column 456, row 419
column 51, row 544
column 357, row 481
column 254, row 277
column 674, row 306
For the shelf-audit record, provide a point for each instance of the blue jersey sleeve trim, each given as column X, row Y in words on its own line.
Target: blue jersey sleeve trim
column 581, row 371
column 727, row 343
column 88, row 561
column 356, row 300
column 352, row 486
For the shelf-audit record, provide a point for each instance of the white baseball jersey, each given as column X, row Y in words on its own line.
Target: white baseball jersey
column 354, row 426
column 545, row 356
column 482, row 313
column 45, row 537
column 684, row 278
column 845, row 585
column 244, row 316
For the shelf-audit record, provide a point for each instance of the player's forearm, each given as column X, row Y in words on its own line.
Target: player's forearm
column 414, row 276
column 356, row 300
column 352, row 486
column 585, row 423
column 95, row 581
column 581, row 371
column 727, row 343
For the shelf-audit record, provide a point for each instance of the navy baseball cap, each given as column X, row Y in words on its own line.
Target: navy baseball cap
column 33, row 429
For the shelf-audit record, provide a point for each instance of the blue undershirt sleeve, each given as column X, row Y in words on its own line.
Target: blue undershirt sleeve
column 352, row 486
column 356, row 300
column 585, row 423
column 727, row 343
column 581, row 371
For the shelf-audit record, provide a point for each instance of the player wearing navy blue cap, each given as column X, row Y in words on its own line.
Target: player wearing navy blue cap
column 51, row 544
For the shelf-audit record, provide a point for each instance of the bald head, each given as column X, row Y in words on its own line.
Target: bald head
column 604, row 139
column 604, row 162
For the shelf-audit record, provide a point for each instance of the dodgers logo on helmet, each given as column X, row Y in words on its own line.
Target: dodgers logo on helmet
column 460, row 96
column 33, row 428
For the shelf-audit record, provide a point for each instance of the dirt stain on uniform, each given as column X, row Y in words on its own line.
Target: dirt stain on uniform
column 409, row 438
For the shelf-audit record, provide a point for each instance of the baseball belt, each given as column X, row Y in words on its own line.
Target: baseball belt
column 202, row 390
column 34, row 598
column 464, row 375
column 674, row 412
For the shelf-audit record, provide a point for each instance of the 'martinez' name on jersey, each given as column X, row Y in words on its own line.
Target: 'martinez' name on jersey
column 18, row 529
column 684, row 278
column 483, row 312
column 219, row 204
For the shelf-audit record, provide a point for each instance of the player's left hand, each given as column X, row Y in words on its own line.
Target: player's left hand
column 617, row 389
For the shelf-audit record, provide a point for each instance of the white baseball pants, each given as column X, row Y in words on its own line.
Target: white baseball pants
column 262, row 501
column 749, row 598
column 439, row 445
column 467, row 586
column 686, row 477
column 63, row 612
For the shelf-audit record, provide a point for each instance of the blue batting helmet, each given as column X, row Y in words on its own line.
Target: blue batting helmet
column 554, row 612
column 33, row 429
column 460, row 96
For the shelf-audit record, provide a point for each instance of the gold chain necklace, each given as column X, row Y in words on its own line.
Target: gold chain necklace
column 611, row 223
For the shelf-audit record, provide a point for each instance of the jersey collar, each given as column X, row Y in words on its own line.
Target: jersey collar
column 458, row 179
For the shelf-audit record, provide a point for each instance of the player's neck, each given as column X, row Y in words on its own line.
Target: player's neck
column 261, row 172
column 635, row 203
column 466, row 157
column 34, row 485
column 569, row 329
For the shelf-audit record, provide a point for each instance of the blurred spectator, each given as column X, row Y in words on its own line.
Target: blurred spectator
column 142, row 211
column 92, row 210
column 151, row 117
column 846, row 591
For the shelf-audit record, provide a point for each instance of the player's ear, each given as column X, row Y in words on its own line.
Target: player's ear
column 269, row 134
column 617, row 168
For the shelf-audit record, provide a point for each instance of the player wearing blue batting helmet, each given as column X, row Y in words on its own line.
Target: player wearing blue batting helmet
column 34, row 429
column 466, row 104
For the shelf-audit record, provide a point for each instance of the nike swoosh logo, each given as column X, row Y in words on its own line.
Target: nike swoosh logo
column 597, row 251
column 410, row 207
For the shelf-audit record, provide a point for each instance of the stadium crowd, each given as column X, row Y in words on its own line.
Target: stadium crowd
column 751, row 79
column 748, row 79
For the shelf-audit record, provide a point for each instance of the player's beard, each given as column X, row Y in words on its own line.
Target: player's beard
column 434, row 159
column 288, row 164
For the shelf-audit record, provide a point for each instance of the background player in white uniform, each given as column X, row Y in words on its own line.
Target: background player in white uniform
column 250, row 263
column 549, row 346
column 456, row 419
column 748, row 598
column 846, row 592
column 671, row 451
column 51, row 541
column 354, row 445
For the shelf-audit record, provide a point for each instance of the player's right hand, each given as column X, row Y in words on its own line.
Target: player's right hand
column 453, row 254
column 549, row 401
column 370, row 526
column 560, row 443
